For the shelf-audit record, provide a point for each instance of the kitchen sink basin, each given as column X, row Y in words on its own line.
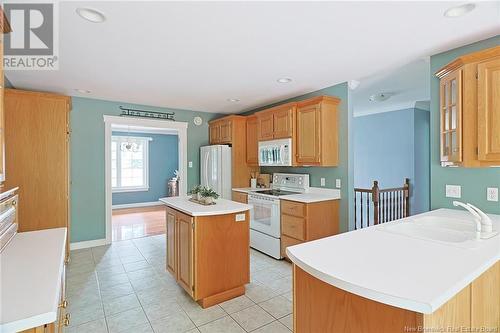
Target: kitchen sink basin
column 450, row 231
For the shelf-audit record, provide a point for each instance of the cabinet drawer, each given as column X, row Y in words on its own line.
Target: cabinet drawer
column 240, row 197
column 293, row 226
column 286, row 242
column 293, row 208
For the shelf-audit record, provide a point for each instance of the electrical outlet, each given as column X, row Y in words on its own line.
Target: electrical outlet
column 453, row 191
column 190, row 164
column 323, row 181
column 337, row 183
column 492, row 193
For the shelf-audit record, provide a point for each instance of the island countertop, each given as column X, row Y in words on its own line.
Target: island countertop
column 402, row 271
column 221, row 207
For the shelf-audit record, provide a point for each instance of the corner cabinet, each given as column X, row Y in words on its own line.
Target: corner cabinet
column 470, row 110
column 209, row 255
column 317, row 132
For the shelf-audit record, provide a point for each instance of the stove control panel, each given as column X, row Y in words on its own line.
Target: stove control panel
column 291, row 181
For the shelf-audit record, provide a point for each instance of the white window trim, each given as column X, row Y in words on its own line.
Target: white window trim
column 145, row 142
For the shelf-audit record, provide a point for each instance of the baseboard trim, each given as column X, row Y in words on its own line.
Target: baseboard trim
column 137, row 205
column 87, row 244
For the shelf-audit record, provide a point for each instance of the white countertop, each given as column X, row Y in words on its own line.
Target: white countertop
column 314, row 194
column 402, row 271
column 221, row 207
column 31, row 269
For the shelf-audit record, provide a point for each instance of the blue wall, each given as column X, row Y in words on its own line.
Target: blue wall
column 474, row 181
column 87, row 160
column 390, row 147
column 163, row 161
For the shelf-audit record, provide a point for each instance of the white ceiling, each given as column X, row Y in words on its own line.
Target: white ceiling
column 407, row 84
column 196, row 55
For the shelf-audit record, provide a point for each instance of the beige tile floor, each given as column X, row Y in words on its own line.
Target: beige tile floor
column 124, row 287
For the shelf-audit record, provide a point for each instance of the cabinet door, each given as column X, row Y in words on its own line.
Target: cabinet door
column 171, row 242
column 265, row 123
column 185, row 248
column 308, row 134
column 225, row 131
column 252, row 141
column 283, row 123
column 214, row 130
column 488, row 98
column 451, row 117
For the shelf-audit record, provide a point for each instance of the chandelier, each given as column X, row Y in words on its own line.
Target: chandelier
column 130, row 144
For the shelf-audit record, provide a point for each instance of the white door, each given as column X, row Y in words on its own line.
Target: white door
column 211, row 172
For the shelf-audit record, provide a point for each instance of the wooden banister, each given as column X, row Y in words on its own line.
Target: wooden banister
column 388, row 204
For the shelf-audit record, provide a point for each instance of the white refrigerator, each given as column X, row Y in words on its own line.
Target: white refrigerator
column 215, row 169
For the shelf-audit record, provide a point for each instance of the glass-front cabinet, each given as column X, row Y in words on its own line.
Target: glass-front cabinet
column 469, row 110
column 451, row 117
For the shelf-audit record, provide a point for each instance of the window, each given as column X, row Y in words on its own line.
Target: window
column 129, row 167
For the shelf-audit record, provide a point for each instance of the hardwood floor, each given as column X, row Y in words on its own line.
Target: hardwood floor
column 133, row 223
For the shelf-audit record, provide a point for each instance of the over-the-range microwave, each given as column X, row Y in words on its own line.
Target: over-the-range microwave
column 275, row 152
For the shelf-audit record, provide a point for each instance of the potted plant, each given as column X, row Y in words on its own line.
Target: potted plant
column 209, row 195
column 196, row 192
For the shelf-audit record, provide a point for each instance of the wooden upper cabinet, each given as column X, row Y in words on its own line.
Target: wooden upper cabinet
column 317, row 131
column 225, row 131
column 470, row 110
column 185, row 247
column 252, row 141
column 266, row 126
column 283, row 121
column 488, row 97
column 451, row 117
column 214, row 133
column 308, row 134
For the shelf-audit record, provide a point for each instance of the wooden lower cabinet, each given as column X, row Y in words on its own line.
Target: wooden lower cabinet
column 321, row 307
column 302, row 222
column 240, row 197
column 209, row 256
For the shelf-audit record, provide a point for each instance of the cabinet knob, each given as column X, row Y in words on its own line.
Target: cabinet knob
column 14, row 203
column 64, row 304
column 66, row 320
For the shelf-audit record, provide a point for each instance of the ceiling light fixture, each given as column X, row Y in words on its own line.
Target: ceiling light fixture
column 380, row 97
column 91, row 15
column 233, row 100
column 83, row 91
column 459, row 10
column 284, row 80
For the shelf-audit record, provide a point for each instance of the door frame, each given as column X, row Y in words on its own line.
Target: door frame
column 176, row 126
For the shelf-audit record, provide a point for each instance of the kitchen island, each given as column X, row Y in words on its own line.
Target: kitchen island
column 208, row 248
column 379, row 279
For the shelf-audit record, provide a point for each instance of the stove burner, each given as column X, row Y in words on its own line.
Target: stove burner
column 276, row 193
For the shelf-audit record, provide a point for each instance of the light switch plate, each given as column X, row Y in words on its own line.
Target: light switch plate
column 190, row 164
column 453, row 191
column 492, row 193
column 240, row 217
column 338, row 183
column 323, row 181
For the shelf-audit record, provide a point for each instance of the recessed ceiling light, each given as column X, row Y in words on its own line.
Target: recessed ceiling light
column 459, row 10
column 83, row 91
column 284, row 80
column 91, row 15
column 233, row 100
column 380, row 97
